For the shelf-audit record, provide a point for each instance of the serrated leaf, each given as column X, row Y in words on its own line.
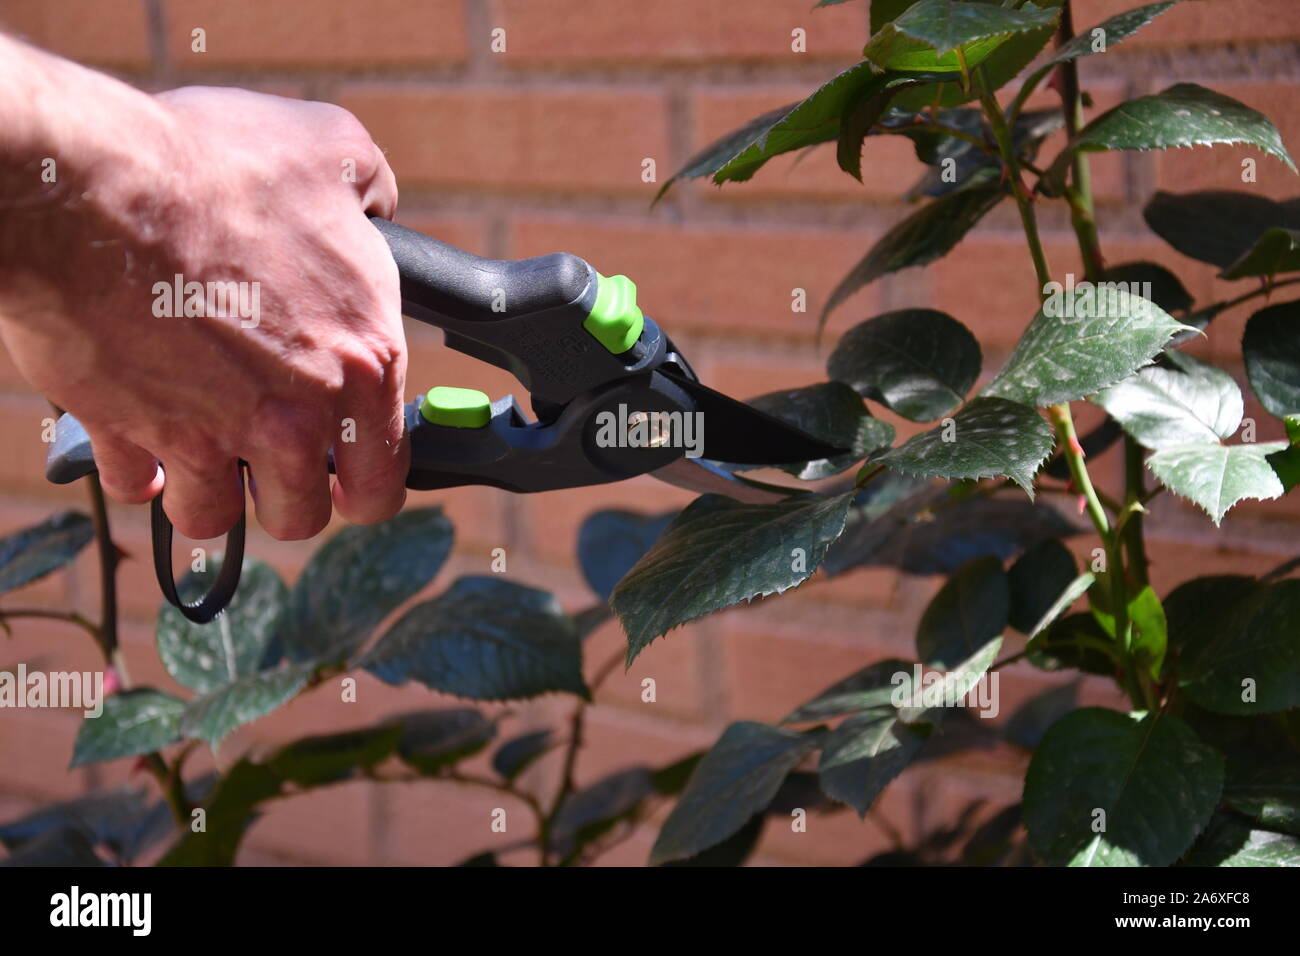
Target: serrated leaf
column 517, row 754
column 924, row 236
column 29, row 555
column 815, row 119
column 1036, row 581
column 1155, row 781
column 864, row 753
column 432, row 740
column 359, row 577
column 241, row 641
column 736, row 779
column 212, row 716
column 1271, row 348
column 595, row 810
column 969, row 611
column 832, row 412
column 1217, row 226
column 328, row 758
column 485, row 639
column 1187, row 403
column 1277, row 250
column 928, row 35
column 919, row 363
column 1082, row 340
column 989, row 437
column 1183, row 115
column 133, row 722
column 1263, row 774
column 1216, row 477
column 1112, row 31
column 611, row 542
column 970, row 164
column 873, row 686
column 681, row 578
column 1231, row 841
column 1235, row 641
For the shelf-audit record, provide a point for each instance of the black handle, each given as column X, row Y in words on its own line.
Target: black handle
column 525, row 316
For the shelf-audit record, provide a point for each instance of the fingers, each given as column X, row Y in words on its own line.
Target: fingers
column 372, row 456
column 290, row 474
column 203, row 499
column 128, row 473
column 380, row 196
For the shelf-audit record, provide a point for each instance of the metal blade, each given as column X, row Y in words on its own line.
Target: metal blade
column 693, row 474
column 736, row 433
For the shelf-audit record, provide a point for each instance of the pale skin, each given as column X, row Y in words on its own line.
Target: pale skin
column 216, row 185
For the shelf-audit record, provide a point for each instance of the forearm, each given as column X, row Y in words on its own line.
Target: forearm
column 84, row 160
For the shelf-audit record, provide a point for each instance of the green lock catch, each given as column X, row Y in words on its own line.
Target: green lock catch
column 457, row 407
column 615, row 320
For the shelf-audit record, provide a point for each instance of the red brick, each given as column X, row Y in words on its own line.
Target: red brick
column 107, row 33
column 738, row 279
column 579, row 139
column 1174, row 561
column 567, row 31
column 673, row 662
column 316, row 33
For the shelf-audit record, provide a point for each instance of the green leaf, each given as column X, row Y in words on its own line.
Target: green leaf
column 485, row 639
column 917, row 362
column 1217, row 226
column 1150, row 629
column 1271, row 348
column 1036, row 582
column 133, row 722
column 1216, row 477
column 736, row 779
column 359, row 577
column 29, row 555
column 432, row 740
column 1286, row 463
column 969, row 611
column 1112, row 31
column 241, row 641
column 229, row 811
column 1155, row 781
column 1166, row 289
column 1277, row 250
column 770, row 548
column 1236, row 640
column 816, row 119
column 987, row 438
column 924, row 236
column 610, row 542
column 832, row 412
column 864, row 753
column 327, row 758
column 1263, row 775
column 1187, row 404
column 927, row 702
column 1231, row 841
column 212, row 716
column 970, row 164
column 1082, row 340
column 1183, row 115
column 872, row 687
column 1076, row 642
column 733, row 851
column 945, row 35
column 595, row 810
column 517, row 754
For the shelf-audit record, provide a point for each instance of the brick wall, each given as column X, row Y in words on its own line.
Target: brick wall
column 541, row 148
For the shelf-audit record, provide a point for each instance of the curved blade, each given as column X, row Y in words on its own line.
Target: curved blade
column 734, row 432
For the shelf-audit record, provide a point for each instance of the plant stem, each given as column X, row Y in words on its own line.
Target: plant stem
column 72, row 617
column 1024, row 202
column 1134, row 493
column 107, row 569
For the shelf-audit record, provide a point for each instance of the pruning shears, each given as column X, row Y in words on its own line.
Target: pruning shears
column 607, row 388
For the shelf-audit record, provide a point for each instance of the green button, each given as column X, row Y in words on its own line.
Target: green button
column 615, row 319
column 457, row 407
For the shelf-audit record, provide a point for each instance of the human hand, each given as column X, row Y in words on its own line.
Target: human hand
column 223, row 185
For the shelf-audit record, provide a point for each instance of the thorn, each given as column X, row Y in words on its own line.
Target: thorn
column 112, row 683
column 1083, row 503
column 1077, row 448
